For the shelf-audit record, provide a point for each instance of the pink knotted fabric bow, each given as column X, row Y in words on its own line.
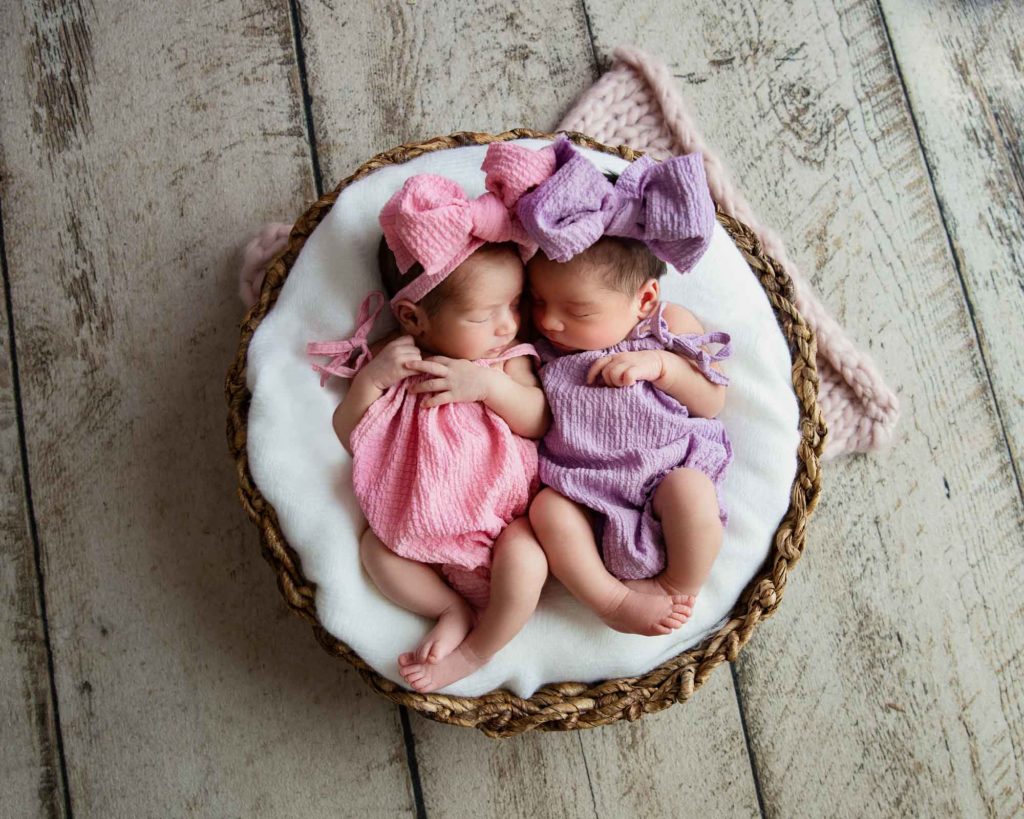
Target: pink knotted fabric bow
column 342, row 351
column 432, row 221
column 512, row 170
column 666, row 205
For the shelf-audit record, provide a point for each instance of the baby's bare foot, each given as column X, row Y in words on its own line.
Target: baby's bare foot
column 660, row 585
column 427, row 677
column 637, row 612
column 452, row 627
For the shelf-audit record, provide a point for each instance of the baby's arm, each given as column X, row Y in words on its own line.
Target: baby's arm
column 516, row 396
column 387, row 367
column 680, row 376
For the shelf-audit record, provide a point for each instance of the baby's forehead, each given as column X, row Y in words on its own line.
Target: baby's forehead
column 580, row 275
column 483, row 291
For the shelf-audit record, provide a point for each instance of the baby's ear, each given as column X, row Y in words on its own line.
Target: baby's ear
column 411, row 317
column 647, row 297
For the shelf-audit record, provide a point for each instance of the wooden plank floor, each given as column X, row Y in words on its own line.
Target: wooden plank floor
column 147, row 664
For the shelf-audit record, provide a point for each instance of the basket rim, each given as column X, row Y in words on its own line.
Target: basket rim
column 564, row 705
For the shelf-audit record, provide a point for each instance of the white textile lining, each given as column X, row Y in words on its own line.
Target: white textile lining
column 303, row 471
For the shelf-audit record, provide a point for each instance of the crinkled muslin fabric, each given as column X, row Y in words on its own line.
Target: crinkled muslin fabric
column 305, row 474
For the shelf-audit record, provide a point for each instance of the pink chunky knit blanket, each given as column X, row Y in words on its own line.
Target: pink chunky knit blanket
column 637, row 103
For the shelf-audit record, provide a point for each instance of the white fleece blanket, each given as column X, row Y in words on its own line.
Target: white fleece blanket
column 303, row 471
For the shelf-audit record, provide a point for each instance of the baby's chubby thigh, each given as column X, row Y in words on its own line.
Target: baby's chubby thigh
column 560, row 524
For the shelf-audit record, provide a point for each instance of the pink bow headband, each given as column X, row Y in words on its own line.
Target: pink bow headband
column 666, row 205
column 430, row 220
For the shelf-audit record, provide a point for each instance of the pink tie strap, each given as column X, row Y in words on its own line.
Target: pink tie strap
column 341, row 351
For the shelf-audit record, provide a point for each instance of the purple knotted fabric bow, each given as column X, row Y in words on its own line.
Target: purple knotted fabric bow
column 666, row 205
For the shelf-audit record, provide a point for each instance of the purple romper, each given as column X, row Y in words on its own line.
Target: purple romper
column 609, row 447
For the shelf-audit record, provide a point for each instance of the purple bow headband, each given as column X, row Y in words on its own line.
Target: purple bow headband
column 666, row 205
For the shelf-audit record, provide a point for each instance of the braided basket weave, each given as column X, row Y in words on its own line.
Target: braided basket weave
column 567, row 705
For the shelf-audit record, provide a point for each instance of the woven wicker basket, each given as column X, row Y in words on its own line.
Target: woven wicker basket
column 568, row 705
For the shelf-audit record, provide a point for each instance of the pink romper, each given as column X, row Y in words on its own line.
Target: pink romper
column 439, row 484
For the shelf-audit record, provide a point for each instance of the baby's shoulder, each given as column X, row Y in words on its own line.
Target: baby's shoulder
column 680, row 320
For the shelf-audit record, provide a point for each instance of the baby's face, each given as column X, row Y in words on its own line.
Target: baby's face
column 482, row 317
column 573, row 307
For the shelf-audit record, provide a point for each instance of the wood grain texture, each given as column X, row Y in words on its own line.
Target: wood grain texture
column 890, row 682
column 414, row 70
column 962, row 65
column 29, row 755
column 391, row 71
column 689, row 754
column 154, row 137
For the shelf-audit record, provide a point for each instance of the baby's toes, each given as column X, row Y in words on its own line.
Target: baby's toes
column 421, row 681
column 406, row 659
column 670, row 622
column 413, row 673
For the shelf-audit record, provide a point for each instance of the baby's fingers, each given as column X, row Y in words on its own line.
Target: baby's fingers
column 628, row 374
column 433, row 385
column 427, row 366
column 596, row 368
column 401, row 341
column 438, row 399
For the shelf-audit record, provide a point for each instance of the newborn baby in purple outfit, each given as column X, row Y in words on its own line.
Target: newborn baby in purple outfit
column 634, row 458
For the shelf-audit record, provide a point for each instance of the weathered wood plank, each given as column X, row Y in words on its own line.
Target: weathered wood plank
column 382, row 73
column 962, row 65
column 29, row 755
column 890, row 682
column 690, row 754
column 140, row 141
column 434, row 68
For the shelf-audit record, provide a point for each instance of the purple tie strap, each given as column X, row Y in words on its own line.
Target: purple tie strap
column 689, row 345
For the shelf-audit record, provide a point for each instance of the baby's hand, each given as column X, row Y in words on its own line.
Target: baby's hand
column 625, row 369
column 392, row 363
column 457, row 380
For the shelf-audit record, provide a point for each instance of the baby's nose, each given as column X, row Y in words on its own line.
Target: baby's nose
column 550, row 322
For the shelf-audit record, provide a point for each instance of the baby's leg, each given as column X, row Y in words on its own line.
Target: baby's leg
column 417, row 587
column 687, row 506
column 568, row 541
column 518, row 572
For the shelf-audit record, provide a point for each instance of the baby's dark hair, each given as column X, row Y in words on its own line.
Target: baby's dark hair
column 394, row 280
column 626, row 263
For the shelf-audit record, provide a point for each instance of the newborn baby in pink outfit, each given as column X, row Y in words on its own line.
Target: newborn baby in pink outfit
column 634, row 453
column 442, row 420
